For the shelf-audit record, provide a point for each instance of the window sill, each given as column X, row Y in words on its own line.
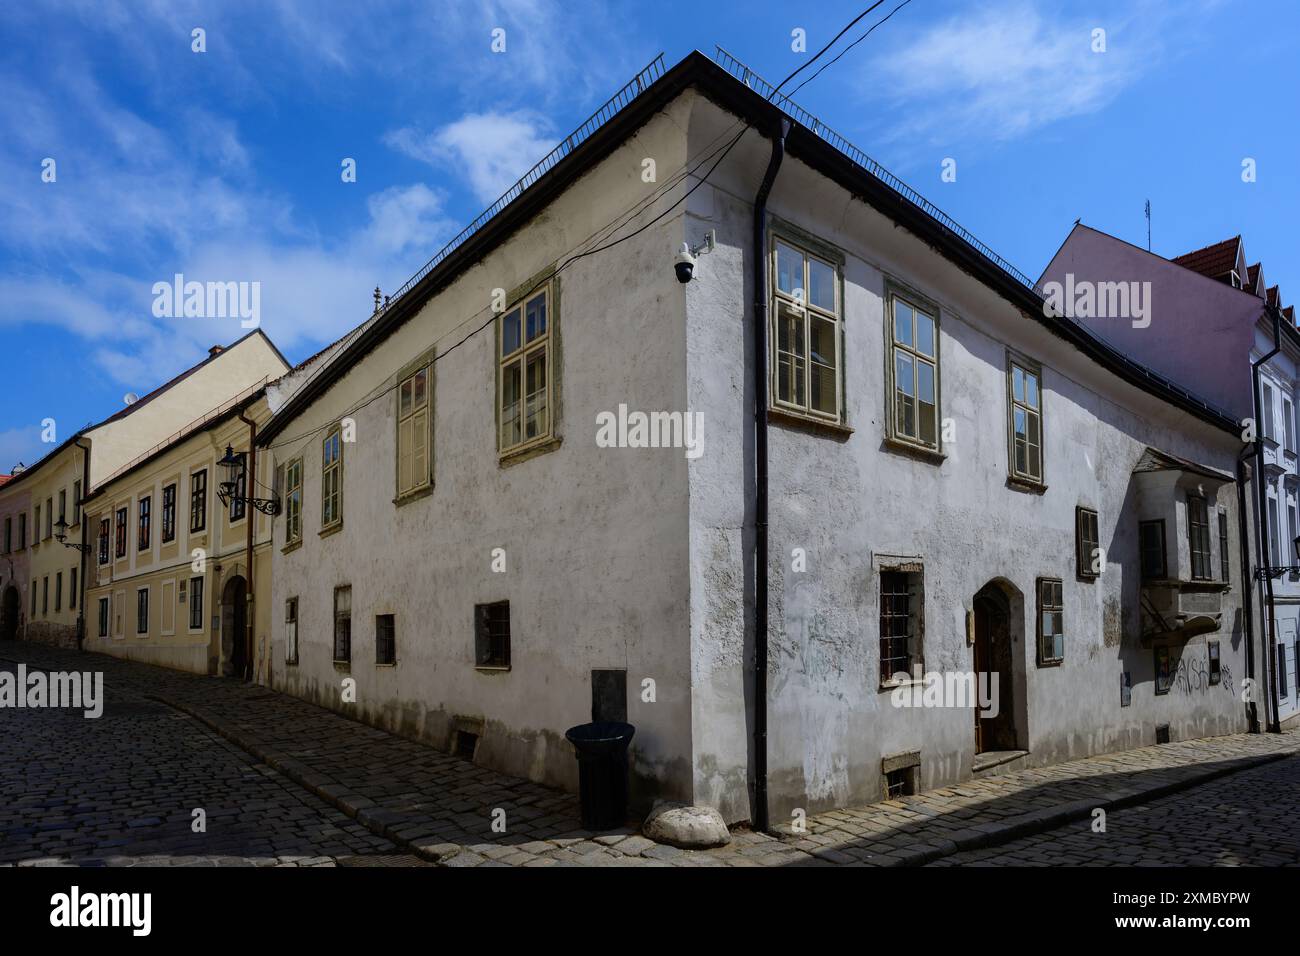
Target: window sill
column 416, row 495
column 1086, row 578
column 343, row 666
column 519, row 455
column 1051, row 663
column 920, row 452
column 291, row 663
column 806, row 423
column 335, row 528
column 1026, row 485
column 293, row 545
column 393, row 664
column 492, row 668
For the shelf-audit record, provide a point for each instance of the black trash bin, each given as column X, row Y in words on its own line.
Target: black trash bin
column 602, row 772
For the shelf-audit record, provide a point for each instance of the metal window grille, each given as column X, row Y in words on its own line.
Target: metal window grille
column 895, row 624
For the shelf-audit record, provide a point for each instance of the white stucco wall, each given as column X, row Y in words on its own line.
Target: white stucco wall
column 847, row 501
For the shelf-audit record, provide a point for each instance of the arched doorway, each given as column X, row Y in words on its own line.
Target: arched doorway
column 9, row 605
column 234, row 608
column 998, row 646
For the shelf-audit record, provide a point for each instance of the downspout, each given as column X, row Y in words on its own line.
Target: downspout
column 1252, row 711
column 1261, row 522
column 760, row 370
column 250, row 613
column 81, row 575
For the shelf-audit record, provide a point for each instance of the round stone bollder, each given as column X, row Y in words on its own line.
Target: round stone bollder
column 682, row 825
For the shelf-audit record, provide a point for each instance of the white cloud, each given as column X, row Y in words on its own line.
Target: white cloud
column 1008, row 70
column 489, row 150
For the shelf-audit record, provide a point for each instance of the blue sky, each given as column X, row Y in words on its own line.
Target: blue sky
column 225, row 165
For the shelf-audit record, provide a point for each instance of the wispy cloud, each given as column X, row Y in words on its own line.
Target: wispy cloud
column 489, row 150
column 1007, row 70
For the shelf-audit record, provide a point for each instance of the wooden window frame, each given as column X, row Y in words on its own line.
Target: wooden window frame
column 58, row 591
column 1225, row 562
column 168, row 531
column 105, row 533
column 331, row 479
column 547, row 342
column 72, row 589
column 385, row 639
column 238, row 509
column 492, row 649
column 917, row 303
column 803, row 305
column 293, row 501
column 421, row 476
column 1164, row 551
column 1193, row 551
column 76, row 503
column 339, row 618
column 105, row 616
column 145, row 629
column 1041, row 606
column 195, row 607
column 120, row 533
column 1026, row 368
column 1083, row 554
column 291, row 630
column 199, row 501
column 143, row 522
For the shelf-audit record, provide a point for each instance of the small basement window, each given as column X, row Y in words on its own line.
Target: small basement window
column 900, row 783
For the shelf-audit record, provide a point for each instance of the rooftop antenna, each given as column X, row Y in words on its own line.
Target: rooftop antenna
column 377, row 296
column 1148, row 225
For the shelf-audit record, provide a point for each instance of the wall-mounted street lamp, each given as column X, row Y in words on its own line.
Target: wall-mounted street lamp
column 236, row 469
column 61, row 536
column 1269, row 572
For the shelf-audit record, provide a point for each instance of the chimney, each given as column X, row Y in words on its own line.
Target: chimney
column 216, row 350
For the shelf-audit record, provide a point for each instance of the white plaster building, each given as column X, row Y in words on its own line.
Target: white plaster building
column 944, row 465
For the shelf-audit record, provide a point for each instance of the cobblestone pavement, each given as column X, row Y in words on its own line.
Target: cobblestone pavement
column 422, row 801
column 1246, row 819
column 121, row 790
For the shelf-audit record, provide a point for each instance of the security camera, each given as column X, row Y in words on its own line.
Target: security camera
column 684, row 263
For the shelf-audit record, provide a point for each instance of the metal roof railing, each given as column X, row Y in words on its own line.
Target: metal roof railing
column 796, row 112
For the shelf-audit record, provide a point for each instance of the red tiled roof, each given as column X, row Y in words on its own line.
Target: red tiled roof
column 1289, row 312
column 1252, row 274
column 1272, row 297
column 1213, row 261
column 4, row 479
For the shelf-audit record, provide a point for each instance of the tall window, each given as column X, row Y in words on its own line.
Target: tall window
column 413, row 433
column 914, row 371
column 76, row 502
column 36, row 526
column 901, row 606
column 198, row 501
column 105, row 529
column 385, row 639
column 331, row 479
column 72, row 590
column 49, row 517
column 806, row 316
column 1288, row 425
column 120, row 549
column 1026, row 423
column 524, row 373
column 492, row 634
column 1281, row 671
column 1198, row 537
column 142, row 611
column 237, row 503
column 1051, row 630
column 9, row 534
column 293, row 501
column 1087, row 544
column 45, row 595
column 291, row 631
column 63, row 505
column 142, row 516
column 196, row 604
column 1266, row 412
column 169, row 513
column 1274, row 534
column 22, row 530
column 58, row 592
column 343, row 624
column 103, row 617
column 1224, row 564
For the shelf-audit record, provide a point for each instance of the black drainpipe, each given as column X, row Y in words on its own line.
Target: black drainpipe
column 1261, row 522
column 1252, row 712
column 760, row 476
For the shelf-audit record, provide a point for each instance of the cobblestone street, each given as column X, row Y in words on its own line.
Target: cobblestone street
column 284, row 781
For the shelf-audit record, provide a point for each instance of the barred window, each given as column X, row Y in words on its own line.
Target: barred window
column 901, row 606
column 291, row 631
column 343, row 624
column 492, row 634
column 385, row 639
